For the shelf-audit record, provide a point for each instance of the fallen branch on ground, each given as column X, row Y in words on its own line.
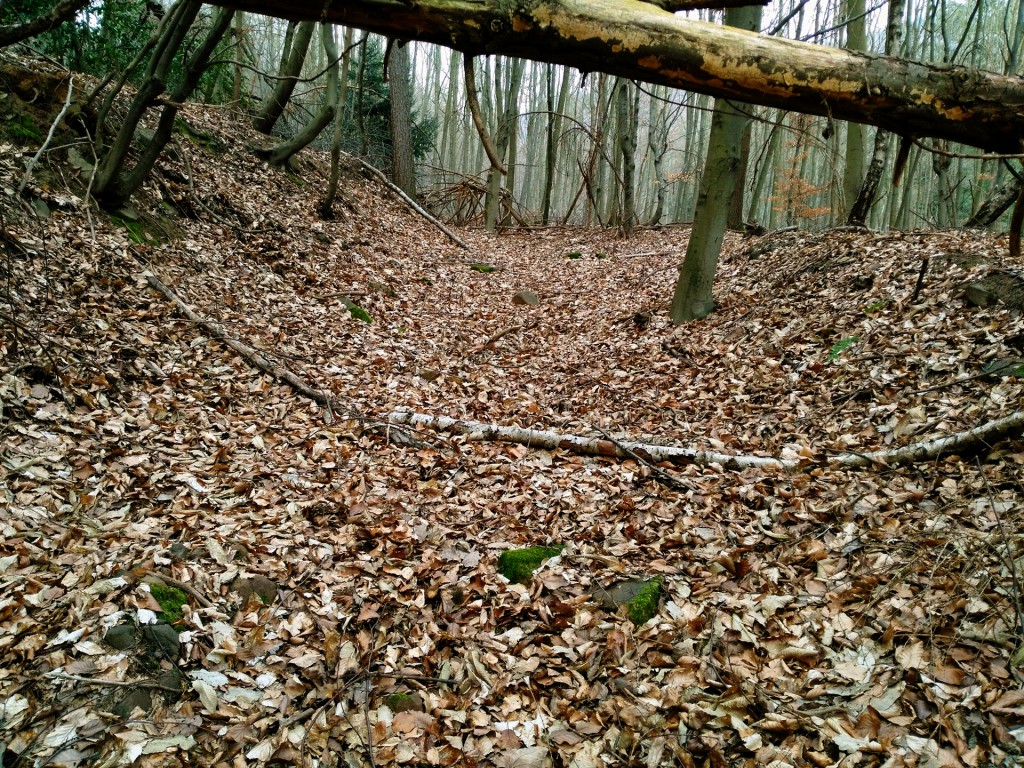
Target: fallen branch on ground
column 248, row 353
column 412, row 203
column 971, row 441
column 968, row 442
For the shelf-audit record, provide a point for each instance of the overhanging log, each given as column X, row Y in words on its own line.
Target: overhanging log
column 640, row 41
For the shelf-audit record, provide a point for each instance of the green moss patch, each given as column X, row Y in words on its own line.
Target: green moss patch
column 171, row 599
column 518, row 565
column 841, row 346
column 138, row 231
column 359, row 313
column 644, row 606
column 404, row 702
column 208, row 141
column 485, row 268
column 574, row 255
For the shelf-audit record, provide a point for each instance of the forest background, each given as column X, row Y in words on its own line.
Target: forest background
column 589, row 148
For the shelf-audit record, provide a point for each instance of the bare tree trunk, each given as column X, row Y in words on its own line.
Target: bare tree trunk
column 291, row 66
column 657, row 145
column 692, row 299
column 113, row 186
column 284, row 151
column 861, row 206
column 506, row 107
column 734, row 219
column 853, row 167
column 626, row 107
column 403, row 170
column 327, row 204
column 236, row 82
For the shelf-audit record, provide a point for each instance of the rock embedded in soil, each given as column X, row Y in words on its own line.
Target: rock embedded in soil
column 525, row 298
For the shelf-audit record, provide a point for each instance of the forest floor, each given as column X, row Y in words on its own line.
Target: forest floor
column 810, row 617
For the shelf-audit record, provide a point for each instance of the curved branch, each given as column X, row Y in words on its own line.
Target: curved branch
column 478, row 120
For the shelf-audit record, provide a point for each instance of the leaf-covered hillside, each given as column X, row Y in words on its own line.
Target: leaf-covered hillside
column 337, row 577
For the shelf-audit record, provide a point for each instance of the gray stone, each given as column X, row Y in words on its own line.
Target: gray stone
column 161, row 641
column 123, row 637
column 1003, row 287
column 137, row 698
column 524, row 298
column 1013, row 366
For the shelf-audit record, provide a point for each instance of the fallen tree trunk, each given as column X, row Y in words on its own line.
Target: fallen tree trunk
column 642, row 42
column 969, row 442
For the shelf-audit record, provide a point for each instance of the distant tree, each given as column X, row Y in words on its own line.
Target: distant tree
column 402, row 161
column 367, row 124
column 553, row 135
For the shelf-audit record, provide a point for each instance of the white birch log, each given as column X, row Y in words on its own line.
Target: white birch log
column 970, row 441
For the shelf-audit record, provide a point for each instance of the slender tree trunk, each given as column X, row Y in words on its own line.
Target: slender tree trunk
column 274, row 105
column 236, row 82
column 692, row 299
column 657, row 146
column 627, row 106
column 734, row 220
column 506, row 114
column 553, row 136
column 853, row 168
column 403, row 170
column 861, row 207
column 327, row 204
column 113, row 185
column 360, row 89
column 280, row 154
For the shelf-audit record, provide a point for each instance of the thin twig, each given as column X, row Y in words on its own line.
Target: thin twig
column 49, row 137
column 661, row 475
column 111, row 683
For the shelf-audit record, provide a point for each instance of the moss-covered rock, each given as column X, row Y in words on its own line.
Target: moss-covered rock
column 405, row 702
column 518, row 565
column 644, row 606
column 640, row 596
